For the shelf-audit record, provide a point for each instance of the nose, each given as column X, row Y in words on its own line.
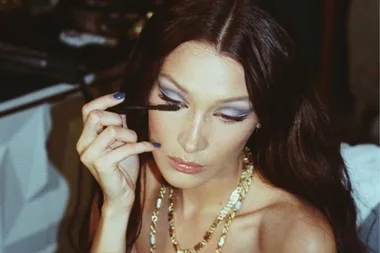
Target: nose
column 192, row 136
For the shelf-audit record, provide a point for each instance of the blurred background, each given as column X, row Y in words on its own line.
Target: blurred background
column 57, row 54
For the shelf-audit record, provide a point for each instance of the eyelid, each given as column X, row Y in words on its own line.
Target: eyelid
column 165, row 92
column 229, row 119
column 236, row 116
column 161, row 90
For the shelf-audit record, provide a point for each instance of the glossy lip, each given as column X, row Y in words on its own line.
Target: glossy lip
column 185, row 167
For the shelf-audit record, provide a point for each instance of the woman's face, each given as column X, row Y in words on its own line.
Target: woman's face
column 214, row 122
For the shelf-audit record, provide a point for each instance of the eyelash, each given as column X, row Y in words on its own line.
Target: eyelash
column 171, row 101
column 227, row 119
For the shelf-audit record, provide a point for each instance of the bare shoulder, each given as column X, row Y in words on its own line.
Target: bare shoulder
column 311, row 233
column 295, row 227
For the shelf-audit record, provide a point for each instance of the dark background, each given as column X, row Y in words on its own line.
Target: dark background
column 318, row 27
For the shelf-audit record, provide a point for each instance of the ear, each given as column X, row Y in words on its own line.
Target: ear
column 258, row 125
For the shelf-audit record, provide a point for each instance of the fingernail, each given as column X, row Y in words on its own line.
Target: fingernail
column 156, row 144
column 119, row 95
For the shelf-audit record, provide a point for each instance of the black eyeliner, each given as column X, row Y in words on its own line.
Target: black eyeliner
column 162, row 90
column 164, row 97
column 234, row 118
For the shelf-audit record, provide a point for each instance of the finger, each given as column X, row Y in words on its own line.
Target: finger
column 102, row 103
column 106, row 138
column 117, row 155
column 124, row 118
column 107, row 164
column 95, row 123
column 116, row 144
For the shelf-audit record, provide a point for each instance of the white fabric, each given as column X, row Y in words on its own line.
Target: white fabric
column 33, row 194
column 363, row 163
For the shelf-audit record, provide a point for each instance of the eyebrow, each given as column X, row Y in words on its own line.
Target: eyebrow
column 173, row 81
column 184, row 90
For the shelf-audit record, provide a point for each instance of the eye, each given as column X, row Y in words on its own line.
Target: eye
column 171, row 101
column 231, row 119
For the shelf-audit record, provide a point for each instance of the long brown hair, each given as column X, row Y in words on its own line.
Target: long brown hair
column 295, row 149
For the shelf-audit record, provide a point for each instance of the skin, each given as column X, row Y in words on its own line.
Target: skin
column 270, row 220
column 197, row 132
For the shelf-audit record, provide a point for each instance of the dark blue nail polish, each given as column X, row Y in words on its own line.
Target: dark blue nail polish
column 156, row 144
column 119, row 95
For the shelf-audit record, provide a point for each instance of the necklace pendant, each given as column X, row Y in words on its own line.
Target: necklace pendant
column 152, row 239
column 221, row 241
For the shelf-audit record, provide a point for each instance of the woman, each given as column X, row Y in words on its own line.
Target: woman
column 248, row 127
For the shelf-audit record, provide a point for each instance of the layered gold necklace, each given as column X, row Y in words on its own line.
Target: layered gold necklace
column 227, row 213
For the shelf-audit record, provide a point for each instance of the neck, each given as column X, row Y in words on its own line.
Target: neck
column 211, row 196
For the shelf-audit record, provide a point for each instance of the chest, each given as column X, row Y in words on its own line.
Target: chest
column 243, row 235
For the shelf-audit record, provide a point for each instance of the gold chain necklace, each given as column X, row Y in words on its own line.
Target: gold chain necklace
column 228, row 212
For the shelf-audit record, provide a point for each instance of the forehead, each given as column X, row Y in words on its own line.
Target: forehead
column 199, row 67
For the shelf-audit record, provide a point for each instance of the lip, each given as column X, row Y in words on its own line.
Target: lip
column 185, row 167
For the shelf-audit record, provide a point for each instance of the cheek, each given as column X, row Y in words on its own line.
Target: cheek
column 161, row 125
column 227, row 146
column 231, row 139
column 235, row 139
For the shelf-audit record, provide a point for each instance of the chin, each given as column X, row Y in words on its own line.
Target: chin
column 181, row 181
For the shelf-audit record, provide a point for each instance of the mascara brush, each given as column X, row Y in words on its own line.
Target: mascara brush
column 122, row 109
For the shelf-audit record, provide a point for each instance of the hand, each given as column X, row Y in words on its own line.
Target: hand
column 110, row 150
